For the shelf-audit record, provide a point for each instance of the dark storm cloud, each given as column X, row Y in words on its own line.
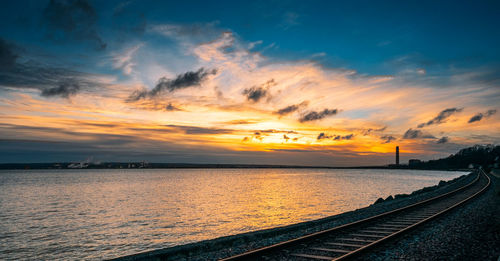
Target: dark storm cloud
column 442, row 140
column 7, row 55
column 256, row 93
column 181, row 81
column 387, row 138
column 416, row 134
column 480, row 116
column 313, row 115
column 442, row 116
column 291, row 108
column 74, row 20
column 64, row 90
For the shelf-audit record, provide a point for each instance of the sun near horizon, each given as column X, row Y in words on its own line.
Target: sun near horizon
column 127, row 81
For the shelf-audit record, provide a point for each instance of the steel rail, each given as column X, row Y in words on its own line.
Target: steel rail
column 253, row 254
column 361, row 250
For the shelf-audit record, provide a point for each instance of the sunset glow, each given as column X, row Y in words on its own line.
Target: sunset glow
column 135, row 85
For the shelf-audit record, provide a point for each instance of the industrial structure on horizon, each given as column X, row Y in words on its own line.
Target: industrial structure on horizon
column 397, row 155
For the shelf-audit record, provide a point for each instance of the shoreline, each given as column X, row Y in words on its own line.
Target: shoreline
column 471, row 232
column 50, row 166
column 221, row 247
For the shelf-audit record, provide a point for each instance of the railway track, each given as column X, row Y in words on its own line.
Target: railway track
column 350, row 240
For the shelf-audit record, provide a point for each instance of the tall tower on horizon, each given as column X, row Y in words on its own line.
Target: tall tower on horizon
column 397, row 155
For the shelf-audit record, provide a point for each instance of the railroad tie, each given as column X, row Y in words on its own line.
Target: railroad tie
column 342, row 251
column 344, row 244
column 313, row 256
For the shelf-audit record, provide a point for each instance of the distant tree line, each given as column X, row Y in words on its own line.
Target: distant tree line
column 487, row 156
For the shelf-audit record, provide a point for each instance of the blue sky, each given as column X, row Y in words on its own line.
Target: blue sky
column 405, row 62
column 357, row 35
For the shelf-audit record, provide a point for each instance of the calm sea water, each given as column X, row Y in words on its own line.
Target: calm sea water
column 96, row 214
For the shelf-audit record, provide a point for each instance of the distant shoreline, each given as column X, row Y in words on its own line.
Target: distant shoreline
column 141, row 165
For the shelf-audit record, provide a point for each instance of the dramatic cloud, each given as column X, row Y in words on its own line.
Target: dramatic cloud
column 291, row 108
column 182, row 81
column 7, row 55
column 442, row 140
column 416, row 134
column 480, row 116
column 387, row 138
column 74, row 20
column 256, row 93
column 64, row 90
column 442, row 116
column 313, row 115
column 50, row 81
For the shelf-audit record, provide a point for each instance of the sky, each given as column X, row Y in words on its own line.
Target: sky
column 325, row 83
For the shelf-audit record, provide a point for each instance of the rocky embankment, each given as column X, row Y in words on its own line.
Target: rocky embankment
column 471, row 232
column 231, row 245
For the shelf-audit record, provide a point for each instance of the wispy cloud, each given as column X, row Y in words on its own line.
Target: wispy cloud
column 388, row 138
column 171, row 107
column 291, row 108
column 199, row 130
column 441, row 117
column 323, row 136
column 442, row 140
column 417, row 134
column 256, row 93
column 65, row 90
column 124, row 61
column 481, row 116
column 197, row 32
column 314, row 115
column 289, row 19
column 7, row 55
column 50, row 81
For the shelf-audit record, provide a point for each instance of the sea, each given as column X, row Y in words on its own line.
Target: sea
column 96, row 214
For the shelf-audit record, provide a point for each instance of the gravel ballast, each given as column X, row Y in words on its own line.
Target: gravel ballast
column 470, row 232
column 231, row 245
